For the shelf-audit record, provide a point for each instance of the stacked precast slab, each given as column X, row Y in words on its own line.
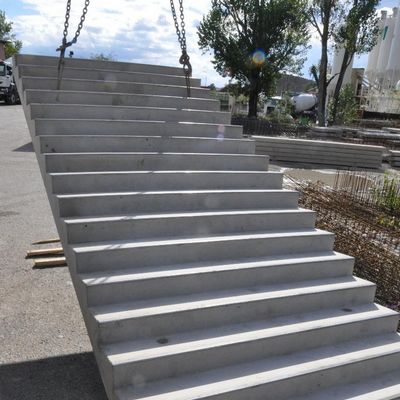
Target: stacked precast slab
column 197, row 275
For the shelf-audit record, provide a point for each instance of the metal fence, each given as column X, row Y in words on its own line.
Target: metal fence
column 253, row 126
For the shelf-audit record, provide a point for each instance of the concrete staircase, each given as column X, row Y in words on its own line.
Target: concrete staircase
column 198, row 276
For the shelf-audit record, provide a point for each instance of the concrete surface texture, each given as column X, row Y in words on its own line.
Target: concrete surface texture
column 44, row 349
column 192, row 293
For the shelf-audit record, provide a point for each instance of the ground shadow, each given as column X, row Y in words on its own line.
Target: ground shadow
column 70, row 377
column 25, row 148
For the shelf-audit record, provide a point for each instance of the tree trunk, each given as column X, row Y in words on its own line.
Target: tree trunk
column 322, row 86
column 346, row 60
column 253, row 101
column 253, row 94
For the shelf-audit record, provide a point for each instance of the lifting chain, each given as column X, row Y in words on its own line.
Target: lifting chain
column 64, row 45
column 181, row 33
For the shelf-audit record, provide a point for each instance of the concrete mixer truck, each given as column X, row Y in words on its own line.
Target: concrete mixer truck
column 304, row 104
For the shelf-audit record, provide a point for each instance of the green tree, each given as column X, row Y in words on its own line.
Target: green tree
column 325, row 17
column 254, row 40
column 357, row 35
column 345, row 107
column 13, row 46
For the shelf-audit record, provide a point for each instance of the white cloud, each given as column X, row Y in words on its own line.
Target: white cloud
column 131, row 30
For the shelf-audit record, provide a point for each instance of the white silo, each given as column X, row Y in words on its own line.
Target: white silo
column 336, row 67
column 384, row 51
column 374, row 53
column 393, row 65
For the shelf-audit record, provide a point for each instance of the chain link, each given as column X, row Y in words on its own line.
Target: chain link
column 65, row 44
column 184, row 59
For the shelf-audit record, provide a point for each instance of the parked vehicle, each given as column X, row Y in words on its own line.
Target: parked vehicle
column 8, row 88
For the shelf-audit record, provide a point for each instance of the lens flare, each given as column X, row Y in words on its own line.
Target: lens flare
column 259, row 57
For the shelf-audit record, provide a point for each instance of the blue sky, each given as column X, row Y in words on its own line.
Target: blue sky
column 131, row 30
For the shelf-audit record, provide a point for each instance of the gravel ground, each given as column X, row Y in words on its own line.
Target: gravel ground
column 45, row 352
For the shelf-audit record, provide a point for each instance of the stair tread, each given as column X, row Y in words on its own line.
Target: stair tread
column 178, row 172
column 166, row 153
column 57, row 105
column 167, row 192
column 185, row 214
column 239, row 377
column 160, row 306
column 137, row 274
column 383, row 387
column 147, row 137
column 126, row 244
column 131, row 351
column 114, row 93
column 91, row 69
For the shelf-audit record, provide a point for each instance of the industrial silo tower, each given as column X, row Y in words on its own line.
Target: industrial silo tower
column 383, row 69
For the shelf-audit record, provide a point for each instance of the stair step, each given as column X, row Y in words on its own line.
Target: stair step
column 165, row 316
column 116, row 99
column 124, row 143
column 189, row 180
column 107, row 287
column 77, row 111
column 280, row 377
column 132, row 254
column 105, row 74
column 92, row 85
column 103, row 204
column 382, row 387
column 97, row 64
column 177, row 224
column 62, row 126
column 101, row 161
column 198, row 351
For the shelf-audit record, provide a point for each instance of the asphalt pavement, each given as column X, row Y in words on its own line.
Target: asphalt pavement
column 45, row 352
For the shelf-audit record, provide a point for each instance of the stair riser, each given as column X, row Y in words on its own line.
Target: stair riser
column 203, row 318
column 106, row 75
column 127, row 113
column 152, row 161
column 117, row 99
column 97, row 64
column 77, row 144
column 203, row 251
column 204, row 360
column 186, row 226
column 114, row 87
column 119, row 204
column 317, row 380
column 140, row 128
column 216, row 280
column 108, row 183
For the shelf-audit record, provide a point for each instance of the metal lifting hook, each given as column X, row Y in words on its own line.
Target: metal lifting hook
column 184, row 59
column 64, row 45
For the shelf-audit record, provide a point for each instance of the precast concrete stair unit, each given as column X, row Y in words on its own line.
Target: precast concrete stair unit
column 198, row 276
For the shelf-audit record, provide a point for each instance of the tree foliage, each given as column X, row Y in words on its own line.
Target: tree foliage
column 253, row 41
column 344, row 106
column 13, row 45
column 352, row 25
column 103, row 57
column 325, row 17
column 357, row 34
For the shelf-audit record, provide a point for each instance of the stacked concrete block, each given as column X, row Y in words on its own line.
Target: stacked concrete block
column 320, row 152
column 198, row 276
column 394, row 158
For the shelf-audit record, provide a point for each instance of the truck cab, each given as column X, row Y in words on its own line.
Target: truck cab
column 8, row 89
